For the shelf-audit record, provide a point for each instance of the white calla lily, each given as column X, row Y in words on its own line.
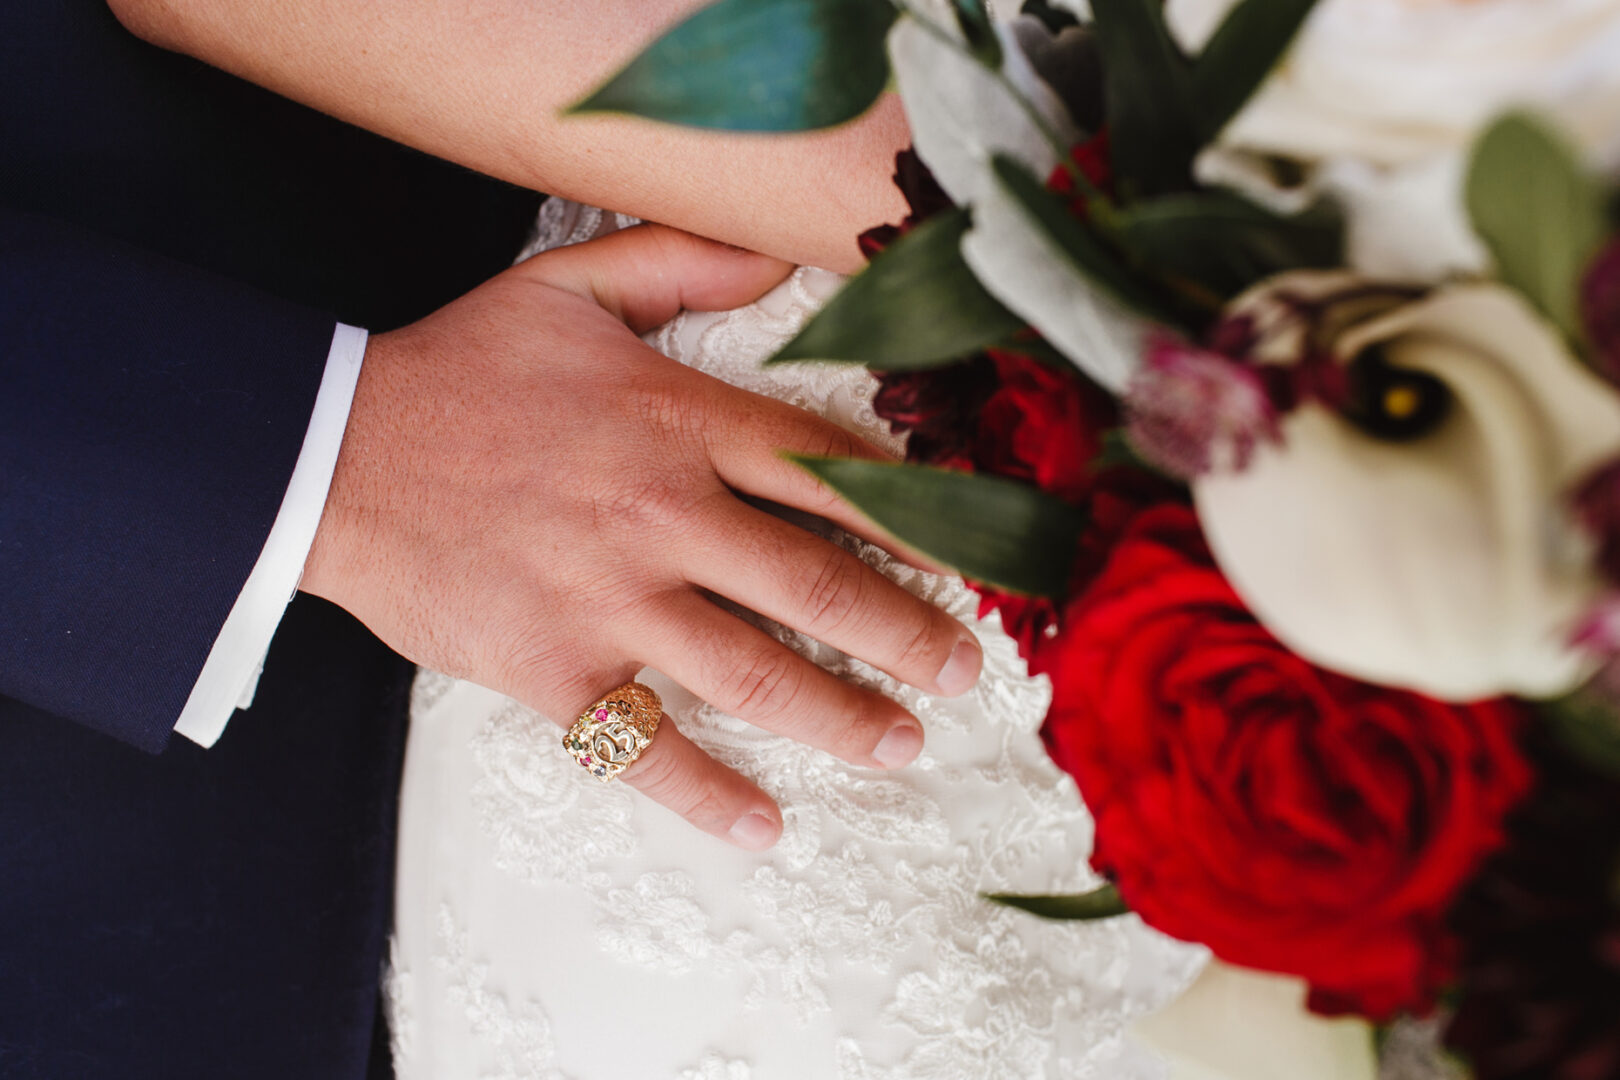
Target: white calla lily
column 1449, row 564
column 1236, row 1024
column 962, row 116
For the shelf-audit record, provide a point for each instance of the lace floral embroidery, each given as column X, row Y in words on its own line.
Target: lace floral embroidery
column 547, row 826
column 878, row 877
column 715, row 1067
column 521, row 1037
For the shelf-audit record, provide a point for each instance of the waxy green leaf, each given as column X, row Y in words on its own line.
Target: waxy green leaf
column 1226, row 243
column 1539, row 212
column 1153, row 127
column 1099, row 903
column 1587, row 727
column 997, row 531
column 977, row 29
column 758, row 65
column 1164, row 107
column 916, row 306
column 1236, row 60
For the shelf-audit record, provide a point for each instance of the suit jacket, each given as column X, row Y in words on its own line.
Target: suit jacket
column 175, row 249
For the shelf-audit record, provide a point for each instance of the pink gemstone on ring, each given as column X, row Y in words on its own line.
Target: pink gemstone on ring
column 601, row 714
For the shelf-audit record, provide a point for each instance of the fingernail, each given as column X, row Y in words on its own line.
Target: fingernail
column 756, row 832
column 899, row 747
column 961, row 671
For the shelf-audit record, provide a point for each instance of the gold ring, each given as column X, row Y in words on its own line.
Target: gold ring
column 609, row 736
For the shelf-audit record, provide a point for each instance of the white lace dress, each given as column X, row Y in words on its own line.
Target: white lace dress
column 549, row 927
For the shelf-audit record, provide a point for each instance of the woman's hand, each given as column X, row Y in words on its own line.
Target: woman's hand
column 531, row 498
column 485, row 85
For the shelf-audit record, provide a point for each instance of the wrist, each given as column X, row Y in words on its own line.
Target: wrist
column 331, row 566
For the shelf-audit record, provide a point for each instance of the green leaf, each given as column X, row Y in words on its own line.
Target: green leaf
column 1153, row 124
column 758, row 65
column 986, row 528
column 1226, row 243
column 1539, row 212
column 1084, row 250
column 917, row 306
column 974, row 19
column 1116, row 451
column 1100, row 903
column 1236, row 60
column 1587, row 728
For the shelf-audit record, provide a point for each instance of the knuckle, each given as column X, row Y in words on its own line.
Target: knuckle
column 657, row 502
column 667, row 408
column 768, row 684
column 539, row 676
column 836, row 594
column 921, row 647
column 829, row 440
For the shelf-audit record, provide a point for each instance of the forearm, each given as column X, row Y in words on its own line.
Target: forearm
column 484, row 84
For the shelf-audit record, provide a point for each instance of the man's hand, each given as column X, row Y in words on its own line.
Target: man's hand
column 531, row 498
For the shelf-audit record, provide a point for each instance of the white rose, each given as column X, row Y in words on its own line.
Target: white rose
column 1382, row 100
column 1449, row 564
column 1393, row 81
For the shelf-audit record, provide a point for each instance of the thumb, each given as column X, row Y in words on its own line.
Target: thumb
column 647, row 274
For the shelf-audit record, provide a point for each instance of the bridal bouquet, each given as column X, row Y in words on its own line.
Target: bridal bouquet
column 1260, row 365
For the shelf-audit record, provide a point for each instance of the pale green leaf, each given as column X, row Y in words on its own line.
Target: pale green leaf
column 1539, row 212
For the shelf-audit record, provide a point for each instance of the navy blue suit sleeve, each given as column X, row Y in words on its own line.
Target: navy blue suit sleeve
column 150, row 418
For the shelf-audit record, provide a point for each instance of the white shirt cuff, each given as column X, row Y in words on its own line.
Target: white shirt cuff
column 230, row 675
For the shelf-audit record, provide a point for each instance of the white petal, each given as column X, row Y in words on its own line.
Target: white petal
column 962, row 114
column 1407, row 222
column 1403, row 223
column 1019, row 265
column 1235, row 1024
column 1448, row 565
column 1393, row 81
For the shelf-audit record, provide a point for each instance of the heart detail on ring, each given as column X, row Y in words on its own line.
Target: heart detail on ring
column 610, row 735
column 615, row 742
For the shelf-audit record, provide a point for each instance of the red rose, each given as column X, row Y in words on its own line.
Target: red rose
column 1291, row 819
column 1115, row 497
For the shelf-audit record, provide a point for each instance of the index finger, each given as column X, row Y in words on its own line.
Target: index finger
column 753, row 456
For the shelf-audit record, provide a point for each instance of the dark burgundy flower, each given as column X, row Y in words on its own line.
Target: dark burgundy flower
column 1600, row 309
column 1540, row 931
column 937, row 409
column 1597, row 501
column 923, row 195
